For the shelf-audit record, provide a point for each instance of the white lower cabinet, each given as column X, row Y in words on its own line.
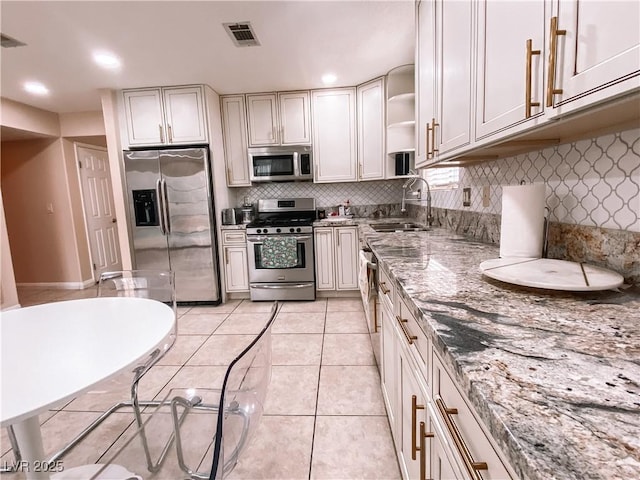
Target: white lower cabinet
column 336, row 252
column 436, row 433
column 236, row 276
column 473, row 450
column 390, row 368
column 414, row 402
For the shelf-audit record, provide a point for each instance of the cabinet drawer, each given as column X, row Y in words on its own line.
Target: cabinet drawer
column 386, row 288
column 234, row 237
column 463, row 432
column 418, row 338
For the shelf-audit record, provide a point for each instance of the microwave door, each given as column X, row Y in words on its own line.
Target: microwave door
column 273, row 167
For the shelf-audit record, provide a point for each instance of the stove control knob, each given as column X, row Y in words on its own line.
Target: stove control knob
column 278, row 230
column 265, row 231
column 291, row 230
column 298, row 229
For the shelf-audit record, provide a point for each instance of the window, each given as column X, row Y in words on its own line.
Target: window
column 443, row 177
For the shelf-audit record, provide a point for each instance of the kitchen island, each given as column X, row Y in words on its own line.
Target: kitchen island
column 553, row 376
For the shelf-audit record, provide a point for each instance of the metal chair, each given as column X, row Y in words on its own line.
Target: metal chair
column 157, row 285
column 218, row 423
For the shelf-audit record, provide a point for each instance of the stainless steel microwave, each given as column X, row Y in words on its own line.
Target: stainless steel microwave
column 281, row 164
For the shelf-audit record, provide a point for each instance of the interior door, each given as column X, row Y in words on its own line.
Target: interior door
column 99, row 212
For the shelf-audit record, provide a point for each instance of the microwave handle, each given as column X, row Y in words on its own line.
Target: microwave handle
column 296, row 164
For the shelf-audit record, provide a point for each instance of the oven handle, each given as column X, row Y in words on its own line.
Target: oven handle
column 260, row 238
column 280, row 287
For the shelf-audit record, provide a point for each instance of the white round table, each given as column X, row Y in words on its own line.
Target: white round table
column 53, row 352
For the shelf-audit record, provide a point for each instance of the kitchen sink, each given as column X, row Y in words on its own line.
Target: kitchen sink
column 398, row 227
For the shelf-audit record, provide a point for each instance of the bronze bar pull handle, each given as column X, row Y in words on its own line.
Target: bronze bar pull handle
column 553, row 46
column 383, row 287
column 426, row 144
column 410, row 338
column 161, row 133
column 423, row 450
column 434, row 150
column 471, row 465
column 414, row 414
column 170, row 132
column 528, row 102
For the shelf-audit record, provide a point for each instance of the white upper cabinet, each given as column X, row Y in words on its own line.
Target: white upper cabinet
column 295, row 118
column 444, row 79
column 425, row 78
column 454, row 75
column 334, row 135
column 279, row 119
column 371, row 153
column 511, row 54
column 596, row 54
column 492, row 75
column 234, row 132
column 262, row 116
column 165, row 116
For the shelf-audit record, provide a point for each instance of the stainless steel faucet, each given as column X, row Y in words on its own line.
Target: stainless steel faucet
column 416, row 193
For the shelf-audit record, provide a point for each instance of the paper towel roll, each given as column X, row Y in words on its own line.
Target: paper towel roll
column 522, row 225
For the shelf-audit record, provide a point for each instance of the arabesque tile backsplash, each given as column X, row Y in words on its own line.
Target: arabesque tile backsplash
column 593, row 182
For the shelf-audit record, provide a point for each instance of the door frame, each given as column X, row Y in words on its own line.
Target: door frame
column 77, row 145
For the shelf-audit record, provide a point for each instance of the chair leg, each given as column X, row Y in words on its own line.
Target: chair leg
column 134, row 403
column 16, row 453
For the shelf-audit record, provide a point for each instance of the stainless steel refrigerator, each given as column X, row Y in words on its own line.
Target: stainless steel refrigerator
column 172, row 220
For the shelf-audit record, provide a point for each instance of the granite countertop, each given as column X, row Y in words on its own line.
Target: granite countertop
column 554, row 376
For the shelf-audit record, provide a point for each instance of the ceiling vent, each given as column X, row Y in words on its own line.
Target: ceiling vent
column 242, row 34
column 8, row 42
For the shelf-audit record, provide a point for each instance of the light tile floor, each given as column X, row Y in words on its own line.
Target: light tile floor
column 324, row 415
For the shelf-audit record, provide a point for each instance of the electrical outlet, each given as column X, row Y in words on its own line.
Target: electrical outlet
column 466, row 197
column 486, row 196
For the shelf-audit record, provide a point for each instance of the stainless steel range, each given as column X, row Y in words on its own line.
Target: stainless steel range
column 280, row 250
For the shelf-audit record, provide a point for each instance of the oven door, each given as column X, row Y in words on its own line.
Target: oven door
column 261, row 272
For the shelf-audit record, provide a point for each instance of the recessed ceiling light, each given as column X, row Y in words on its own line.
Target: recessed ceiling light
column 107, row 60
column 329, row 78
column 36, row 88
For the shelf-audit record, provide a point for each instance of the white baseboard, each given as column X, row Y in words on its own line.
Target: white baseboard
column 59, row 285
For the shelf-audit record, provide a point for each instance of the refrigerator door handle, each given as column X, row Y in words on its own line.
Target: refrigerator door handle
column 165, row 206
column 163, row 230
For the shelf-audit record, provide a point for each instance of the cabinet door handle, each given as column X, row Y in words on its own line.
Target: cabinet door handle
column 553, row 46
column 226, row 256
column 471, row 466
column 161, row 133
column 170, row 132
column 434, row 150
column 423, row 450
column 383, row 287
column 528, row 102
column 410, row 338
column 426, row 143
column 414, row 415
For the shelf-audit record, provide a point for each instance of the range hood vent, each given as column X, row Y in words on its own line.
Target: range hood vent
column 241, row 34
column 7, row 42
